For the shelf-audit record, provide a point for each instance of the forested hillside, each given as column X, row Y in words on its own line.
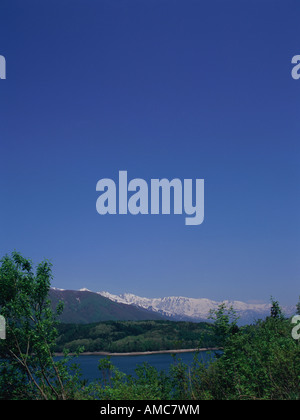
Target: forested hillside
column 134, row 336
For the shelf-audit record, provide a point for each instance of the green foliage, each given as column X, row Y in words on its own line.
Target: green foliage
column 225, row 323
column 257, row 362
column 147, row 384
column 135, row 336
column 276, row 311
column 27, row 353
column 261, row 361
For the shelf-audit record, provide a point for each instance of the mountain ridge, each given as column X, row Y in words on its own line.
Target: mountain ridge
column 195, row 309
column 84, row 306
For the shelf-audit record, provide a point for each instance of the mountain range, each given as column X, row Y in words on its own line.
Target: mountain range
column 182, row 308
column 85, row 306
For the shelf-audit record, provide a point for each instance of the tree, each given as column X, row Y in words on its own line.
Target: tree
column 225, row 322
column 27, row 352
column 276, row 311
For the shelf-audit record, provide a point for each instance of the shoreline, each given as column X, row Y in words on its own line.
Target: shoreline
column 141, row 353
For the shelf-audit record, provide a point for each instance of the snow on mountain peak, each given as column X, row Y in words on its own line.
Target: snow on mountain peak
column 189, row 308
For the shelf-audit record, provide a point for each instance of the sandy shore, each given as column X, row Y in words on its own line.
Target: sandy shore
column 143, row 353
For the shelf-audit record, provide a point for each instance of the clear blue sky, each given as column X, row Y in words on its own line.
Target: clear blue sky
column 168, row 88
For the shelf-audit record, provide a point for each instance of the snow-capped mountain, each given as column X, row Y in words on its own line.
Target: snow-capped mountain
column 184, row 308
column 84, row 306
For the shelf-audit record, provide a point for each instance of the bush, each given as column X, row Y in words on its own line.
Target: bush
column 258, row 362
column 261, row 361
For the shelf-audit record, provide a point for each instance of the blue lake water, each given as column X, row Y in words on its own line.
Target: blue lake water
column 89, row 363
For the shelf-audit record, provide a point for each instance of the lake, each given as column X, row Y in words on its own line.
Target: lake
column 127, row 364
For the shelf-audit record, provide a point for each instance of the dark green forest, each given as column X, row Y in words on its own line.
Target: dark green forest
column 134, row 336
